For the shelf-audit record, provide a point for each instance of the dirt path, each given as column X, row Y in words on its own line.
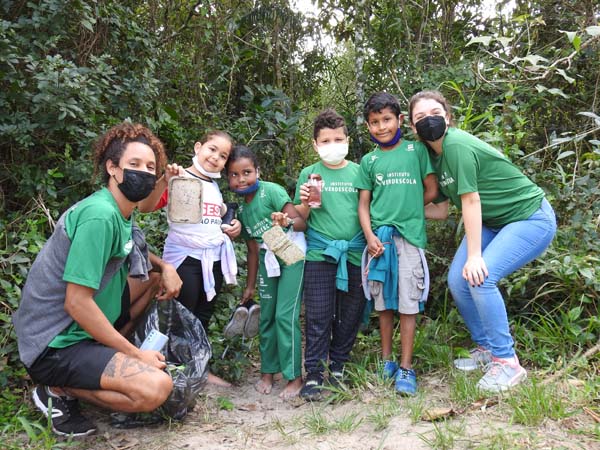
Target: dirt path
column 240, row 418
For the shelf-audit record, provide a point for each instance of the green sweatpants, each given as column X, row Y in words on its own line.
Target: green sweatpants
column 280, row 339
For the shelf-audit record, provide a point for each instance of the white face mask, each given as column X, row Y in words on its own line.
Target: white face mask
column 204, row 172
column 333, row 154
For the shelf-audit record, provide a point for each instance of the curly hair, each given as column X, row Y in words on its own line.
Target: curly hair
column 429, row 95
column 328, row 119
column 379, row 101
column 111, row 146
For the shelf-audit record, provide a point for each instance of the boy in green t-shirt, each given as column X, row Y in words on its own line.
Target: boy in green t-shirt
column 395, row 181
column 333, row 299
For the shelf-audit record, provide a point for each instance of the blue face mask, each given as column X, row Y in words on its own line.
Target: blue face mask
column 393, row 142
column 249, row 190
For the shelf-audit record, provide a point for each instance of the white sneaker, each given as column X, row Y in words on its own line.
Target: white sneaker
column 502, row 374
column 236, row 324
column 479, row 357
column 251, row 327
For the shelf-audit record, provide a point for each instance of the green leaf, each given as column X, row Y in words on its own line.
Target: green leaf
column 565, row 154
column 556, row 91
column 570, row 35
column 485, row 40
column 29, row 428
column 565, row 76
column 534, row 59
column 504, row 41
column 171, row 112
column 574, row 313
column 593, row 30
column 577, row 43
column 591, row 115
column 587, row 272
column 87, row 25
column 225, row 403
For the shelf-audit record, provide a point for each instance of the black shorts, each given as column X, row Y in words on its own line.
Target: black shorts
column 79, row 365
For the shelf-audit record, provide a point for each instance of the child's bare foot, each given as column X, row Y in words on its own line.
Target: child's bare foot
column 292, row 389
column 217, row 381
column 265, row 384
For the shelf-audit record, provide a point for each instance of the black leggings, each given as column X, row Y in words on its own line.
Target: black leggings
column 192, row 294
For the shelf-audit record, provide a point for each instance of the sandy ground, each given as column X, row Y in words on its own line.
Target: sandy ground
column 241, row 418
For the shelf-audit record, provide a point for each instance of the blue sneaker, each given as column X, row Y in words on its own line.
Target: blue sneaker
column 406, row 382
column 389, row 370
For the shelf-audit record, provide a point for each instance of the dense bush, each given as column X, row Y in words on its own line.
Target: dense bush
column 69, row 70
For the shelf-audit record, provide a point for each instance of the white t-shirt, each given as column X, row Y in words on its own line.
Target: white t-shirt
column 198, row 240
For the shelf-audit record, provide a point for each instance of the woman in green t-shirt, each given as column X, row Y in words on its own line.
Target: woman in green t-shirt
column 507, row 221
column 85, row 293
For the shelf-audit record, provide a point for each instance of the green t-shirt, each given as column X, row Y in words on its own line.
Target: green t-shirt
column 395, row 178
column 256, row 215
column 98, row 232
column 467, row 164
column 337, row 218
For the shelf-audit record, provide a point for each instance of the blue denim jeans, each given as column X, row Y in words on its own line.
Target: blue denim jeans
column 504, row 251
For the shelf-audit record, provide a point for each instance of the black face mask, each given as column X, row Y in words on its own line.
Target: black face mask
column 136, row 184
column 431, row 128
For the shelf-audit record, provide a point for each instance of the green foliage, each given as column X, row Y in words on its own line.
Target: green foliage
column 383, row 413
column 525, row 81
column 317, row 423
column 463, row 389
column 231, row 358
column 444, row 435
column 21, row 245
column 533, row 403
column 269, row 126
column 225, row 403
column 17, row 420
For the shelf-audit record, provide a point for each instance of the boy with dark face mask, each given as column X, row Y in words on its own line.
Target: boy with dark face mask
column 395, row 182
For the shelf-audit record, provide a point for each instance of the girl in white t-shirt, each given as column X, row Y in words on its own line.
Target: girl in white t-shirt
column 203, row 252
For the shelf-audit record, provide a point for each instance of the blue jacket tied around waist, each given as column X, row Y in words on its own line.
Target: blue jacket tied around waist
column 337, row 251
column 384, row 268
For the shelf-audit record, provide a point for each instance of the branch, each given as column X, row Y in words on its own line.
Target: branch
column 250, row 45
column 40, row 202
column 589, row 353
column 555, row 144
column 567, row 59
column 395, row 80
column 191, row 13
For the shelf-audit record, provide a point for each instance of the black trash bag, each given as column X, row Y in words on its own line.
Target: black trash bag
column 187, row 353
